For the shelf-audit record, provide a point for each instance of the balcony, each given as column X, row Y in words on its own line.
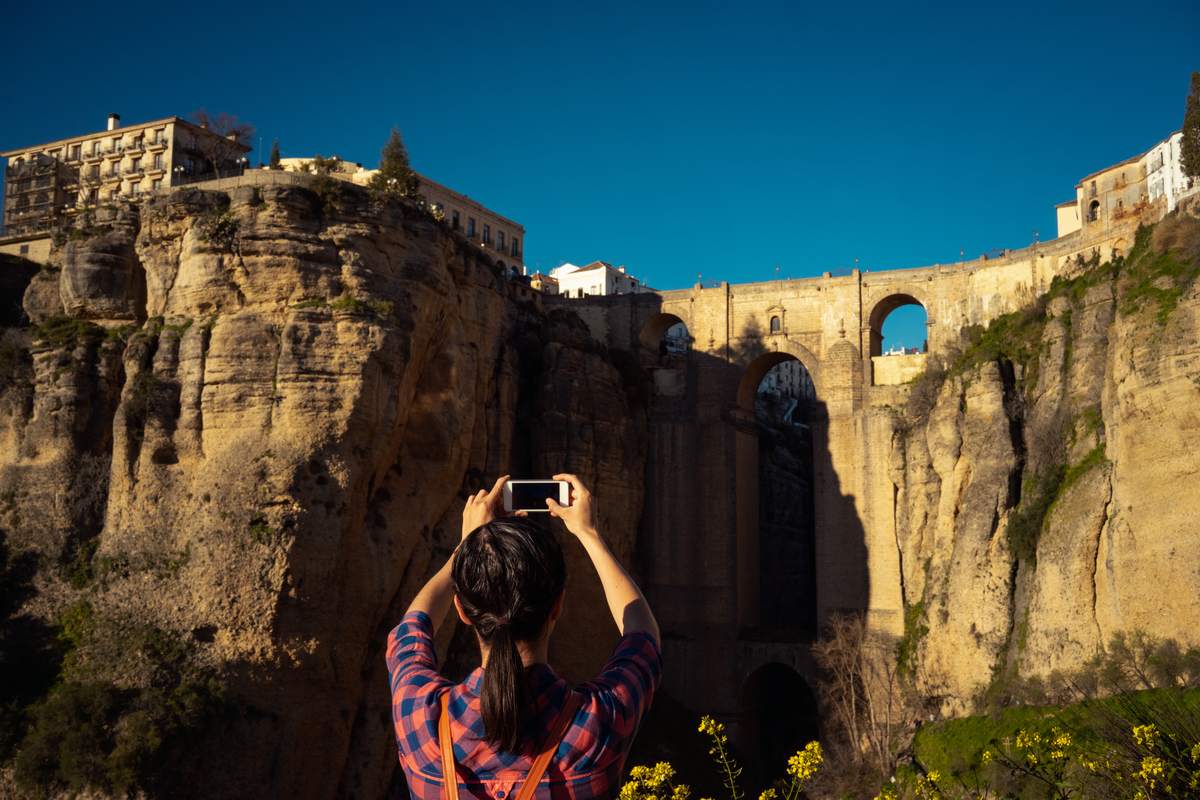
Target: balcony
column 137, row 147
column 114, row 175
column 134, row 170
column 160, row 167
column 113, row 152
column 156, row 144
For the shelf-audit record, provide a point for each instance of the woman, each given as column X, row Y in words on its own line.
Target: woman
column 507, row 581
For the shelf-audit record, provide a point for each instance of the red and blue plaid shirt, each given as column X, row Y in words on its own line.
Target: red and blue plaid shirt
column 586, row 766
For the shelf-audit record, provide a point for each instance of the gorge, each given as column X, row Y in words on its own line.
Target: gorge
column 239, row 440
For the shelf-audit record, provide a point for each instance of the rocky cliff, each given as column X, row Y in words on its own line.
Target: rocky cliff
column 1046, row 485
column 217, row 504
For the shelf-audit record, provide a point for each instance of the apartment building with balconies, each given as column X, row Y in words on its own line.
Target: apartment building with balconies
column 45, row 183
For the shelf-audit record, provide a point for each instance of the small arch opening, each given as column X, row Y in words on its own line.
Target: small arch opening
column 777, row 716
column 665, row 336
column 776, row 325
column 907, row 330
column 1094, row 211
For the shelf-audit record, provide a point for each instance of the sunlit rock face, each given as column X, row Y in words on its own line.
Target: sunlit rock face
column 280, row 452
column 1113, row 553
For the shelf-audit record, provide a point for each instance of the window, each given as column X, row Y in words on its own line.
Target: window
column 116, row 145
column 516, row 247
column 93, row 195
column 24, row 249
column 487, row 234
column 191, row 166
column 137, row 142
column 75, row 150
column 113, row 193
column 94, row 172
column 137, row 165
column 135, row 188
column 454, row 220
column 470, row 226
column 157, row 184
column 500, row 241
column 158, row 161
column 775, row 326
column 96, row 148
column 191, row 142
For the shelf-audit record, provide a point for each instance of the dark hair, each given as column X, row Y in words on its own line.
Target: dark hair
column 509, row 569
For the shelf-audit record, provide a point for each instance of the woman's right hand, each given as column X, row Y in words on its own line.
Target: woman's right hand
column 580, row 516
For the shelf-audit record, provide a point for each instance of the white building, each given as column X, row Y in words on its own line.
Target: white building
column 789, row 379
column 1164, row 170
column 597, row 278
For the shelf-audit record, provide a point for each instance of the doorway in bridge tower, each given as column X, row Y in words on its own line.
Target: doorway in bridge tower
column 777, row 716
column 786, row 529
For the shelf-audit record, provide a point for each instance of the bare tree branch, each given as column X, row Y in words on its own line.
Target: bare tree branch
column 232, row 136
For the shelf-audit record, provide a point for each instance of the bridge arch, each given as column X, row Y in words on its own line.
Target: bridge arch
column 884, row 305
column 750, row 582
column 777, row 716
column 653, row 331
column 757, row 364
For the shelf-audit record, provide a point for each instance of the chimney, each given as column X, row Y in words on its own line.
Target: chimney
column 622, row 268
column 114, row 121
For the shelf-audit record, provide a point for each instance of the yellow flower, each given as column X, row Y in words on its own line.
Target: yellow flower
column 1152, row 769
column 769, row 794
column 987, row 757
column 1146, row 735
column 802, row 765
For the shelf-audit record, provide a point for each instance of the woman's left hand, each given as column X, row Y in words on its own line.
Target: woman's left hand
column 484, row 506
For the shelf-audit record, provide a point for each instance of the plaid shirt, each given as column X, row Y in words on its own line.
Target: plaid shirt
column 587, row 764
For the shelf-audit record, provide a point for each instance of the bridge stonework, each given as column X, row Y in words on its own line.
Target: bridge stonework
column 699, row 534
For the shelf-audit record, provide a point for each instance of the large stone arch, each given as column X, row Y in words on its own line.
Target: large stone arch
column 884, row 303
column 754, row 366
column 757, row 362
column 778, row 714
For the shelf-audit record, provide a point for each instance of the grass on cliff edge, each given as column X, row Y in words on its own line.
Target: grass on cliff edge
column 955, row 747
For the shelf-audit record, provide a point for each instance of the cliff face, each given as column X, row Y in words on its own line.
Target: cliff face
column 274, row 461
column 1092, row 416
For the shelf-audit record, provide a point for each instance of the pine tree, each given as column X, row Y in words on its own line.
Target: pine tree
column 1190, row 146
column 395, row 175
column 275, row 156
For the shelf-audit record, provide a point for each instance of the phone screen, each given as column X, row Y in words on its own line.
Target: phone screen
column 531, row 495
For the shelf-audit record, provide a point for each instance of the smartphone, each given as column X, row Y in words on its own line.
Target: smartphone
column 531, row 495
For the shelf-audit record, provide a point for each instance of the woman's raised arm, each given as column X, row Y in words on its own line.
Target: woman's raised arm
column 628, row 605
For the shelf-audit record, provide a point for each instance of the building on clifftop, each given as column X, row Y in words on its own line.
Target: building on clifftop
column 46, row 183
column 491, row 231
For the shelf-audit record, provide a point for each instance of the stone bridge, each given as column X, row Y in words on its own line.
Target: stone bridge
column 700, row 525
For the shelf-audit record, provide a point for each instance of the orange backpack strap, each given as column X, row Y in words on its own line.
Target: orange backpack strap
column 449, row 774
column 548, row 749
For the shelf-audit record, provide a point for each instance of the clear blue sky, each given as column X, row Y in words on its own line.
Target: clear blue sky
column 675, row 139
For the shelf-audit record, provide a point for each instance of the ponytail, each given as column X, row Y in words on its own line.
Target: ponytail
column 508, row 575
column 505, row 691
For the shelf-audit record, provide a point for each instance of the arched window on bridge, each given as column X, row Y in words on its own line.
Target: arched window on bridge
column 899, row 339
column 664, row 337
column 776, row 326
